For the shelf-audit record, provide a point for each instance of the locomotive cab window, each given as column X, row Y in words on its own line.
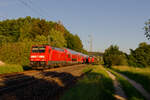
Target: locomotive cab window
column 38, row 49
column 35, row 49
column 41, row 49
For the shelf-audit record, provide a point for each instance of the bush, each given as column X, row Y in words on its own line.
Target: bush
column 113, row 56
column 10, row 68
column 15, row 53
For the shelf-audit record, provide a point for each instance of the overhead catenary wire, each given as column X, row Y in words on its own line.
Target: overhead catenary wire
column 39, row 8
column 30, row 7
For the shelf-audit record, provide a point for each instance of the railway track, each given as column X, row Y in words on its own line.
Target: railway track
column 51, row 82
column 16, row 80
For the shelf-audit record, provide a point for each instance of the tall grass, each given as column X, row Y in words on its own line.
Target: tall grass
column 141, row 75
column 95, row 85
column 9, row 68
column 129, row 90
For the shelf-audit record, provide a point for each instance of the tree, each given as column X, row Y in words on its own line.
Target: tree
column 140, row 57
column 25, row 31
column 113, row 56
column 74, row 42
column 147, row 29
column 57, row 39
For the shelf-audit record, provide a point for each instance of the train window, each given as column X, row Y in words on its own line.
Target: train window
column 41, row 49
column 38, row 49
column 35, row 49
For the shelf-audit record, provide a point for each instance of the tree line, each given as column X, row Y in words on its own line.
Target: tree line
column 18, row 35
column 140, row 57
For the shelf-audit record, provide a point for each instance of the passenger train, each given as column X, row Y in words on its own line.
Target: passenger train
column 45, row 56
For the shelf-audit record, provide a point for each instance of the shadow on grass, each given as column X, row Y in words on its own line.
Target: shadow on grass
column 92, row 86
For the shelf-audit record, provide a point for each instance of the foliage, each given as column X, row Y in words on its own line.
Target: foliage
column 95, row 85
column 16, row 53
column 17, row 36
column 147, row 29
column 57, row 39
column 140, row 57
column 74, row 42
column 113, row 56
column 10, row 68
column 141, row 75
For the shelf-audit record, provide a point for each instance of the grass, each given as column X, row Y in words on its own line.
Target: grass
column 95, row 85
column 129, row 90
column 10, row 68
column 140, row 75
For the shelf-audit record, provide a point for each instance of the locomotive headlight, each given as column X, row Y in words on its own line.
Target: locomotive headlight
column 33, row 56
column 41, row 56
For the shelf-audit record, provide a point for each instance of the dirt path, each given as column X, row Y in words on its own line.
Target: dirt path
column 138, row 87
column 119, row 93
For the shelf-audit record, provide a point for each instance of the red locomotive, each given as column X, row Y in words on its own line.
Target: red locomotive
column 44, row 56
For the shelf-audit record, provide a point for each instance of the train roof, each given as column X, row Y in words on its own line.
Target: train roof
column 58, row 49
column 72, row 51
column 75, row 52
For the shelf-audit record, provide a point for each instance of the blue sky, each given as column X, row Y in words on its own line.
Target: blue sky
column 117, row 22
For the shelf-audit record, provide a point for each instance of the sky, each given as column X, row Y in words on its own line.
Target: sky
column 109, row 22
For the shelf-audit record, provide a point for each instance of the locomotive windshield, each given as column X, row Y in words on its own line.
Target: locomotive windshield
column 38, row 49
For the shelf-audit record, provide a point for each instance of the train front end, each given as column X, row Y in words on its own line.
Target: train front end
column 38, row 57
